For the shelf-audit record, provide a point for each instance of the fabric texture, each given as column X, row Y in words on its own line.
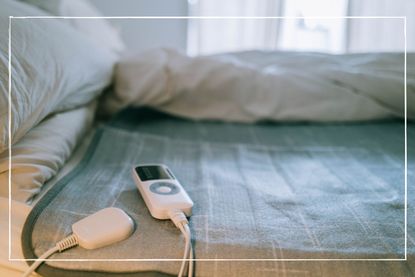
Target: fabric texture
column 255, row 85
column 265, row 191
column 41, row 153
column 99, row 29
column 53, row 68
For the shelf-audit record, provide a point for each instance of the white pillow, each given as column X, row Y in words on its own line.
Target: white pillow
column 54, row 68
column 99, row 29
column 39, row 155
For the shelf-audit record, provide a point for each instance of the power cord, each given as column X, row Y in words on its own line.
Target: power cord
column 66, row 243
column 179, row 219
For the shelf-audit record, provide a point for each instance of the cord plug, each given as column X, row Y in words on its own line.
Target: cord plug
column 66, row 243
column 178, row 217
column 103, row 228
column 100, row 229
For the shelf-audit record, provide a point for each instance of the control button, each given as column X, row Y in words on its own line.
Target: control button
column 164, row 188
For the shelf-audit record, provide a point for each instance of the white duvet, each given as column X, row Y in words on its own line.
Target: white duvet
column 255, row 85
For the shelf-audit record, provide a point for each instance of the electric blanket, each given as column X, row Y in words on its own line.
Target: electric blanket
column 261, row 191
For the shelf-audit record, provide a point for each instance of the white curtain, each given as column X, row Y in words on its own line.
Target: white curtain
column 206, row 36
column 365, row 35
column 220, row 35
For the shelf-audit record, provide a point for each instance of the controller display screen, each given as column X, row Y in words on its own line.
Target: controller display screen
column 152, row 172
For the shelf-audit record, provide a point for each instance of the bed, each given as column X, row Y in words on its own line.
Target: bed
column 295, row 161
column 249, row 218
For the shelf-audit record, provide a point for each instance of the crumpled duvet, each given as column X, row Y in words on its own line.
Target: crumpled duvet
column 256, row 85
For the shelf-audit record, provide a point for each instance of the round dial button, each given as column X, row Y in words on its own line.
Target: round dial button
column 164, row 188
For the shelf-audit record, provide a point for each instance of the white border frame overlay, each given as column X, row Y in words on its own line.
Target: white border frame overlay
column 218, row 18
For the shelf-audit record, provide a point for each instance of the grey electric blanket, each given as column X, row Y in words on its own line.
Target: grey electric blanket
column 262, row 191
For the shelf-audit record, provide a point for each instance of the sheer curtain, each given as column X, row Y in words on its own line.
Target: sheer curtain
column 380, row 34
column 218, row 35
column 206, row 36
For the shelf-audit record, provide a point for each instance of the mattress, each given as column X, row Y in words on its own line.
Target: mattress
column 261, row 191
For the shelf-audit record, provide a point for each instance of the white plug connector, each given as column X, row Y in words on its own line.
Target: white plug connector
column 105, row 227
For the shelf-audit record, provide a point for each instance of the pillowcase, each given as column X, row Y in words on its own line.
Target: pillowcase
column 98, row 29
column 39, row 155
column 54, row 68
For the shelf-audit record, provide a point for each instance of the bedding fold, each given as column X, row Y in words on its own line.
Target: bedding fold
column 254, row 85
column 41, row 153
column 54, row 68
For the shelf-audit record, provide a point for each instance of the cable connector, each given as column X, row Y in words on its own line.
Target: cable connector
column 178, row 217
column 180, row 220
column 66, row 243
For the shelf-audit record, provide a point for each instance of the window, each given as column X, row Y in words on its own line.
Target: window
column 209, row 36
column 319, row 34
column 302, row 33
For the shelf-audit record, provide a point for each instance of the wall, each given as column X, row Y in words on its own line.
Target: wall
column 141, row 34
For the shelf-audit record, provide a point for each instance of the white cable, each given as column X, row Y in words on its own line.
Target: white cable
column 68, row 242
column 186, row 250
column 181, row 222
column 188, row 254
column 190, row 272
column 39, row 261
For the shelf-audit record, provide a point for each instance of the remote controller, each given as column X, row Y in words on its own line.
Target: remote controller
column 161, row 190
